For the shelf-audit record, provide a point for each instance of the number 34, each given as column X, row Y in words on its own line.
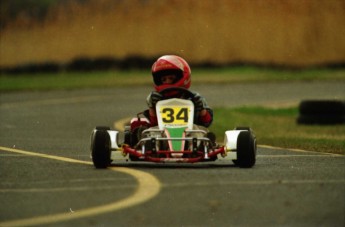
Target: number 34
column 175, row 115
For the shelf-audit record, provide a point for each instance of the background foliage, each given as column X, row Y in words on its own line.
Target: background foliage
column 269, row 32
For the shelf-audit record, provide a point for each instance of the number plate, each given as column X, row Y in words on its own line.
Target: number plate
column 172, row 113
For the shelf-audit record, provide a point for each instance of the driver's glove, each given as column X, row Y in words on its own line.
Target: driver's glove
column 153, row 98
column 199, row 102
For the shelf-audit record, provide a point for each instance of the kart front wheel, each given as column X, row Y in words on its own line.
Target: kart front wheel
column 246, row 150
column 100, row 149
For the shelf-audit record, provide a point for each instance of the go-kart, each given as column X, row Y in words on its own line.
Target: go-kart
column 176, row 139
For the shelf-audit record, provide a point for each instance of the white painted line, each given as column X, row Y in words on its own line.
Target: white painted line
column 297, row 150
column 45, row 102
column 299, row 155
column 261, row 182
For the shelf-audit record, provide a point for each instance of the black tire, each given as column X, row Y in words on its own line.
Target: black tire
column 321, row 107
column 243, row 128
column 102, row 128
column 246, row 150
column 325, row 119
column 127, row 136
column 100, row 149
column 235, row 162
column 321, row 112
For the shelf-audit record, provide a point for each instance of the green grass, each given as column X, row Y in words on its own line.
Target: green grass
column 242, row 74
column 258, row 74
column 278, row 127
column 72, row 80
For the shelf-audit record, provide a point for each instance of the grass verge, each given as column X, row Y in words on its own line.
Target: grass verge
column 278, row 127
column 241, row 74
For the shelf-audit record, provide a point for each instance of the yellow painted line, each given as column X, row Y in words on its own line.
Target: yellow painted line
column 120, row 124
column 40, row 190
column 58, row 158
column 148, row 187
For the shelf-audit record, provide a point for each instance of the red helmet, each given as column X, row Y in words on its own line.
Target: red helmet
column 171, row 65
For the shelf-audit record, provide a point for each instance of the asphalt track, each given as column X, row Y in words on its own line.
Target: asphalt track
column 47, row 178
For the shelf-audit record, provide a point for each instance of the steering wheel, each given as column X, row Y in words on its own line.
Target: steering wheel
column 181, row 91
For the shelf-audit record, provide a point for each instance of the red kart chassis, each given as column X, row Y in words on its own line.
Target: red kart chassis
column 200, row 148
column 183, row 156
column 239, row 146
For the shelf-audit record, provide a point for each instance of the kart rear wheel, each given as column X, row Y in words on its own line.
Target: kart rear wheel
column 100, row 149
column 102, row 128
column 246, row 150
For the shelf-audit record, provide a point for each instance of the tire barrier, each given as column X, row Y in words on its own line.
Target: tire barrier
column 46, row 67
column 321, row 112
column 82, row 64
column 106, row 63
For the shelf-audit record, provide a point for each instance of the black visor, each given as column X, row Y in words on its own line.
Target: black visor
column 158, row 75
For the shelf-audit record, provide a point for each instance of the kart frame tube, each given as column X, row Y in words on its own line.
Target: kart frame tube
column 126, row 149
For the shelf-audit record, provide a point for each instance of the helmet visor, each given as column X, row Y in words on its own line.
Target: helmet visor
column 160, row 77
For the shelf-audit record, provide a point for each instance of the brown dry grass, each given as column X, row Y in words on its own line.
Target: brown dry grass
column 290, row 32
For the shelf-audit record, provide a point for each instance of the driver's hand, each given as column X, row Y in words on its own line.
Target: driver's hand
column 153, row 98
column 199, row 102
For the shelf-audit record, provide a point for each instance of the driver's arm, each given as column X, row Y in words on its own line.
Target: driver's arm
column 152, row 100
column 153, row 117
column 204, row 112
column 205, row 117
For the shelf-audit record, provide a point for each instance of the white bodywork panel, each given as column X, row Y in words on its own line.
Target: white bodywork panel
column 230, row 144
column 115, row 154
column 114, row 139
column 230, row 140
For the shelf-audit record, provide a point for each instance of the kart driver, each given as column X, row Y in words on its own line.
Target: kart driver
column 171, row 71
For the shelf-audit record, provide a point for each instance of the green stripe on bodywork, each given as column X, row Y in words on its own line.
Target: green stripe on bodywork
column 176, row 133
